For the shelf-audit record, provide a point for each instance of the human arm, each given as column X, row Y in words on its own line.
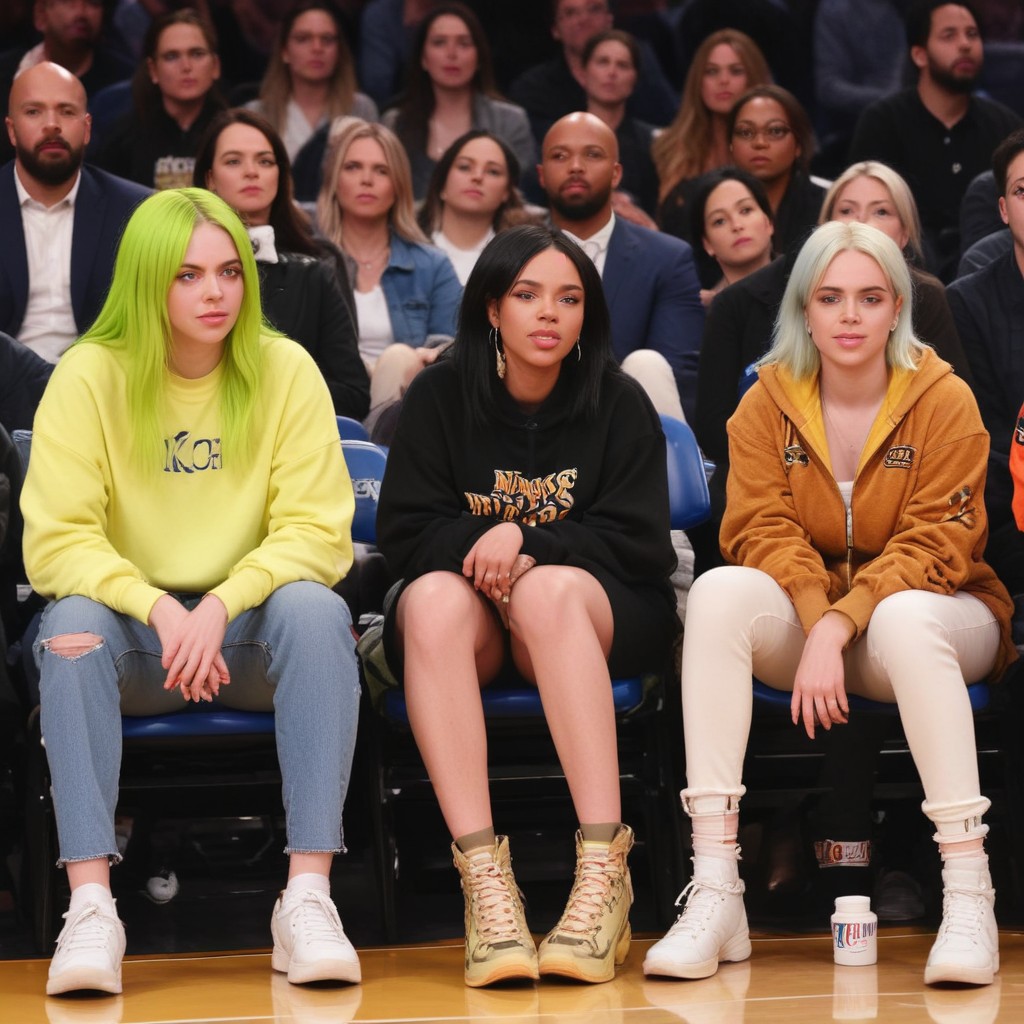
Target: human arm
column 934, row 324
column 191, row 644
column 445, row 298
column 23, row 379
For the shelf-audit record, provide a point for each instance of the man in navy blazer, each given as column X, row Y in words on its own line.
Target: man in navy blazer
column 650, row 281
column 49, row 127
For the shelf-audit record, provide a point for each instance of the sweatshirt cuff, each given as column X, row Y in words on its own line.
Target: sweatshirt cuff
column 811, row 603
column 138, row 599
column 538, row 544
column 242, row 591
column 859, row 606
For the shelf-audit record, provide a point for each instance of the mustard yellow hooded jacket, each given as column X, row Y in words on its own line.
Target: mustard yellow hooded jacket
column 917, row 519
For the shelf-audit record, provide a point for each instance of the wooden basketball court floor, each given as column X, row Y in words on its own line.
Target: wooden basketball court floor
column 788, row 979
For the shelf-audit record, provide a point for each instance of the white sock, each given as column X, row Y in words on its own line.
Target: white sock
column 309, row 880
column 714, row 835
column 92, row 892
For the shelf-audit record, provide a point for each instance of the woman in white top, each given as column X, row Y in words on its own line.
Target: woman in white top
column 310, row 77
column 406, row 290
column 472, row 195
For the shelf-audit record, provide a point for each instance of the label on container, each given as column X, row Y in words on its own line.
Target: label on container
column 853, row 936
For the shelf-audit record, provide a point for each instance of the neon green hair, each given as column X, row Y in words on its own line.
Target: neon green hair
column 135, row 323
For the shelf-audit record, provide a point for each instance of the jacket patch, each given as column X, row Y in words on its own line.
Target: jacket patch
column 1018, row 434
column 960, row 508
column 900, row 456
column 794, row 455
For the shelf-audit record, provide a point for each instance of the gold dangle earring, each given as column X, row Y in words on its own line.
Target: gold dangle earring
column 499, row 356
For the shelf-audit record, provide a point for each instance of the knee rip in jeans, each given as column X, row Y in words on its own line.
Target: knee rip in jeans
column 72, row 646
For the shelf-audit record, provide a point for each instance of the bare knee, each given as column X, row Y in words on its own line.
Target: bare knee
column 73, row 645
column 435, row 601
column 544, row 598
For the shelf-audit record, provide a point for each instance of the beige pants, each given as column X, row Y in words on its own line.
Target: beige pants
column 918, row 651
column 651, row 370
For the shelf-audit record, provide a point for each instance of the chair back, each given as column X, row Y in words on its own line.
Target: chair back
column 689, row 501
column 365, row 463
column 351, row 430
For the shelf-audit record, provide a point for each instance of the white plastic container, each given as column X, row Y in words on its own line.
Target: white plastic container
column 854, row 932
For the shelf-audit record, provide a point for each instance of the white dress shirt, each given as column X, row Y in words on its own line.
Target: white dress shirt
column 596, row 246
column 49, row 325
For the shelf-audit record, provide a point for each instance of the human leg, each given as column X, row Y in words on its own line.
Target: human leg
column 561, row 624
column 738, row 621
column 84, row 651
column 296, row 650
column 452, row 644
column 651, row 370
column 955, row 640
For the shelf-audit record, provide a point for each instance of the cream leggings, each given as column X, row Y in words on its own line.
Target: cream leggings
column 918, row 650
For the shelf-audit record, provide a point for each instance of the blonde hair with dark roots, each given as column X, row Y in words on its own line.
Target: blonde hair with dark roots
column 402, row 216
column 135, row 323
column 792, row 347
column 680, row 150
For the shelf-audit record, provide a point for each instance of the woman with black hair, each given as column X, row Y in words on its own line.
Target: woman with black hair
column 473, row 194
column 304, row 288
column 450, row 89
column 525, row 507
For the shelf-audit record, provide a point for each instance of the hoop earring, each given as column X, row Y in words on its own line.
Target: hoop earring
column 579, row 351
column 499, row 356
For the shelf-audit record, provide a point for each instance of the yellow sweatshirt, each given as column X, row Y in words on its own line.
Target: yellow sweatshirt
column 917, row 519
column 99, row 525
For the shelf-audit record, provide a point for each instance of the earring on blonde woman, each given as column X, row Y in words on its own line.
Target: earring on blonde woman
column 499, row 356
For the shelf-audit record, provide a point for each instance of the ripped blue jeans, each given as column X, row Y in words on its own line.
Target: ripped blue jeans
column 294, row 654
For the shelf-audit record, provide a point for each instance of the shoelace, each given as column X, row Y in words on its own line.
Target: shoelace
column 590, row 893
column 319, row 920
column 496, row 913
column 90, row 930
column 701, row 898
column 962, row 913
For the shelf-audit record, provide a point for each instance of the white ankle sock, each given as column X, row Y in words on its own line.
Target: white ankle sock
column 92, row 892
column 309, row 880
column 714, row 835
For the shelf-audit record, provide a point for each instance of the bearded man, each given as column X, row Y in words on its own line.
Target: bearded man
column 60, row 220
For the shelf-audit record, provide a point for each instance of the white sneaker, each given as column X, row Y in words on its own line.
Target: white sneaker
column 966, row 950
column 711, row 929
column 89, row 952
column 309, row 942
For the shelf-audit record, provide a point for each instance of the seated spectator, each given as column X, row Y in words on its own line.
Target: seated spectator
column 740, row 320
column 406, row 290
column 771, row 138
column 568, row 585
column 907, row 612
column 191, row 462
column 473, row 194
column 554, row 88
column 650, row 284
column 610, row 61
column 938, row 133
column 73, row 37
column 310, row 77
column 725, row 66
column 175, row 99
column 242, row 159
column 988, row 307
column 450, row 89
column 731, row 216
column 60, row 219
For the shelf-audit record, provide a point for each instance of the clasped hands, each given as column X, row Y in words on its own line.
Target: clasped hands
column 495, row 562
column 191, row 642
column 819, row 687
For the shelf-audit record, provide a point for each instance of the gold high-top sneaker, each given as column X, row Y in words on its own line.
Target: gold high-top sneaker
column 498, row 943
column 592, row 936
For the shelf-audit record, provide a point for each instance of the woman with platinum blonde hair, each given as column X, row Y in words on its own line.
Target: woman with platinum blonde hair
column 854, row 531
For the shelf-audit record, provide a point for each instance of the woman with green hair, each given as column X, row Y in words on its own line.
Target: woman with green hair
column 187, row 510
